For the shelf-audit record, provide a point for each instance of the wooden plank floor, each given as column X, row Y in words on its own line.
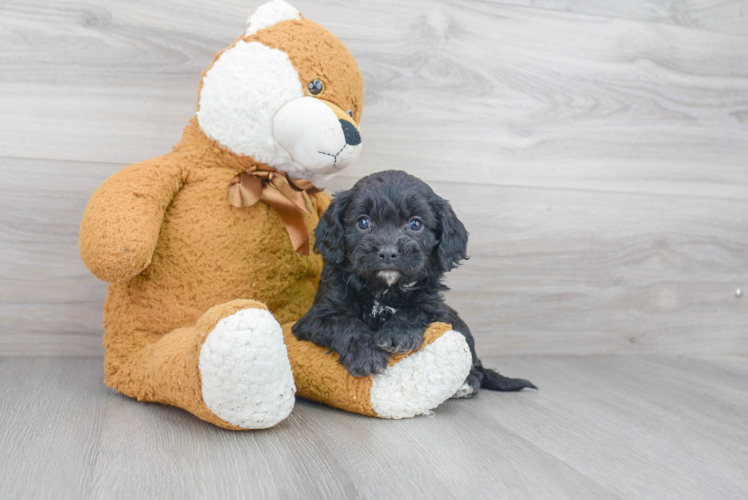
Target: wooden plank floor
column 600, row 427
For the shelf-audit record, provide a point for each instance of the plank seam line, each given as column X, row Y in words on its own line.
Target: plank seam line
column 64, row 160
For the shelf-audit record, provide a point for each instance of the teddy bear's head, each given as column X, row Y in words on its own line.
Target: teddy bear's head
column 287, row 93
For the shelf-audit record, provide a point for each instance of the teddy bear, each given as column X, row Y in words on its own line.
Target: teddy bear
column 207, row 249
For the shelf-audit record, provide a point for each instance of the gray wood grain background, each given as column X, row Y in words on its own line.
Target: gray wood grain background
column 597, row 152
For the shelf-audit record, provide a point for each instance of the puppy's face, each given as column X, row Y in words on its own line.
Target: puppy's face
column 390, row 232
column 391, row 229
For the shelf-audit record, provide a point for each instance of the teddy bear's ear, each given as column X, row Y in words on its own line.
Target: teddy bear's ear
column 270, row 13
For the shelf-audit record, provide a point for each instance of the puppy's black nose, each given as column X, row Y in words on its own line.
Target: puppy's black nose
column 352, row 137
column 388, row 254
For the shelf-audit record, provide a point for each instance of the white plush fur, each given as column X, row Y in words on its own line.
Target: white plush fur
column 311, row 132
column 241, row 93
column 245, row 372
column 423, row 380
column 252, row 91
column 270, row 13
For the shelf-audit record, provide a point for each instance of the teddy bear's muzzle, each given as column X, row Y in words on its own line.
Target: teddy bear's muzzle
column 318, row 135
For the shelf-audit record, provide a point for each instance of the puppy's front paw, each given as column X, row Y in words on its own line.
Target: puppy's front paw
column 399, row 340
column 363, row 358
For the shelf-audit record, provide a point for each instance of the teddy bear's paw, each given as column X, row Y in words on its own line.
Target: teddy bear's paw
column 423, row 380
column 245, row 372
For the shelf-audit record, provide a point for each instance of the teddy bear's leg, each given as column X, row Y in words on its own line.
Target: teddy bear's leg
column 230, row 369
column 411, row 385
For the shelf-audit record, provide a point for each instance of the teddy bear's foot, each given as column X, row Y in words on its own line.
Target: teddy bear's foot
column 245, row 372
column 423, row 380
column 230, row 369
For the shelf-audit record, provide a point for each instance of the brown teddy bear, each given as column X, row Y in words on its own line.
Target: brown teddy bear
column 206, row 248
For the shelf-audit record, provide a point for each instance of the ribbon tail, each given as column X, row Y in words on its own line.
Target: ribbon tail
column 297, row 230
column 292, row 218
column 289, row 198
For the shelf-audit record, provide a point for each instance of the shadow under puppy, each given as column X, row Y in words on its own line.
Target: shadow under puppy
column 387, row 244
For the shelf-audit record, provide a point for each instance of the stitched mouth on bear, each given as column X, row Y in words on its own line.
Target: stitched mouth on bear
column 334, row 156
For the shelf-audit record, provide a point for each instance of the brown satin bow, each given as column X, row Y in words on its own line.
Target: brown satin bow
column 287, row 197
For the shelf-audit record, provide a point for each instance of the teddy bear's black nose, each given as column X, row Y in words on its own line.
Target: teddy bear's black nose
column 352, row 137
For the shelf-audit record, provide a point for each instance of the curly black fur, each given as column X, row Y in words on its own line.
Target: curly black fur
column 382, row 284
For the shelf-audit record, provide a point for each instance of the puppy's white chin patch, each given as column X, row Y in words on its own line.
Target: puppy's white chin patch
column 389, row 277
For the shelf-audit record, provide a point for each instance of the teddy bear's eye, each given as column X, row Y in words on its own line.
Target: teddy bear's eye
column 350, row 113
column 316, row 87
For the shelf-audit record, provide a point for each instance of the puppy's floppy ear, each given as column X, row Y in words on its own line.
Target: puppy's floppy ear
column 452, row 235
column 329, row 237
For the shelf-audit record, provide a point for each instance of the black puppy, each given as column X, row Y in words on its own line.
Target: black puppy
column 387, row 243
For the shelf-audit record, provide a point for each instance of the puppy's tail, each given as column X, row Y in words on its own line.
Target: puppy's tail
column 497, row 382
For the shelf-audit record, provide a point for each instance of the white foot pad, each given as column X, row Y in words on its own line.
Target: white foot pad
column 245, row 372
column 423, row 380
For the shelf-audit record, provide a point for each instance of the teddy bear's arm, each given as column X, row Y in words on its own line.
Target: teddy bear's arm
column 123, row 218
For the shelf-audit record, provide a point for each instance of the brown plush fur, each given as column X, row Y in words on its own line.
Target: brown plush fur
column 179, row 257
column 204, row 251
column 165, row 237
column 166, row 371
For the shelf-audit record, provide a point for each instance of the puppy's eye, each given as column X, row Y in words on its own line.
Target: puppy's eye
column 415, row 224
column 316, row 87
column 364, row 223
column 350, row 113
